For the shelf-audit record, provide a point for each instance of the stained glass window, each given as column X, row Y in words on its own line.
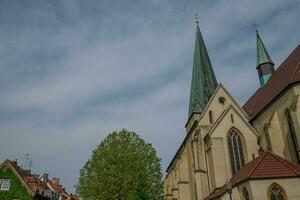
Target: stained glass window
column 276, row 192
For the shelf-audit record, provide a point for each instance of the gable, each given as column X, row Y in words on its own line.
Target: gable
column 17, row 187
column 220, row 101
column 229, row 119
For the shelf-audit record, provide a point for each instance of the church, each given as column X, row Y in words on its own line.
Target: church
column 239, row 152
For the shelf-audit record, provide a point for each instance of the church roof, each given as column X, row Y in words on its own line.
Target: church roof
column 286, row 74
column 262, row 53
column 204, row 81
column 269, row 165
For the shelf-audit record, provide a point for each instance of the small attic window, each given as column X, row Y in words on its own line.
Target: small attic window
column 5, row 184
column 210, row 113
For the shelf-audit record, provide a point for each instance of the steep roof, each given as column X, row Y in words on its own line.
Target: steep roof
column 204, row 81
column 262, row 53
column 269, row 165
column 56, row 187
column 286, row 74
column 30, row 182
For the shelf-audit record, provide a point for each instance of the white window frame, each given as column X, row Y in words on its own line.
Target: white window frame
column 5, row 186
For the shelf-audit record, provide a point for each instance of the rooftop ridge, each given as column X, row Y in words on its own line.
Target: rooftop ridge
column 295, row 72
column 261, row 158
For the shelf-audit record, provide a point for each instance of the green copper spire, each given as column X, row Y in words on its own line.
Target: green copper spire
column 262, row 53
column 204, row 81
column 265, row 65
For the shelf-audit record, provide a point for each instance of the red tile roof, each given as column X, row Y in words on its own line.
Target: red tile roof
column 268, row 165
column 287, row 73
column 34, row 183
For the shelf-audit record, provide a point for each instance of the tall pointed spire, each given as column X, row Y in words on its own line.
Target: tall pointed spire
column 204, row 81
column 262, row 53
column 265, row 65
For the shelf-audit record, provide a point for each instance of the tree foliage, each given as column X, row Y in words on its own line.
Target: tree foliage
column 122, row 167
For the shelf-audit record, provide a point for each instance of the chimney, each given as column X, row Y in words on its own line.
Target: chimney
column 36, row 176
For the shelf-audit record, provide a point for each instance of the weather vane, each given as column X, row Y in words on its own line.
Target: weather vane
column 197, row 18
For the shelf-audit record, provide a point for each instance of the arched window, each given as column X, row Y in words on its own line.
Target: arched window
column 236, row 151
column 293, row 135
column 267, row 136
column 245, row 194
column 276, row 192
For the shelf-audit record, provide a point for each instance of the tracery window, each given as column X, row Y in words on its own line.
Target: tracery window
column 235, row 150
column 276, row 192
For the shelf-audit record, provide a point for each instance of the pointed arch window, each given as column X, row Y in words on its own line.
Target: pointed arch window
column 235, row 150
column 267, row 136
column 293, row 136
column 245, row 194
column 276, row 192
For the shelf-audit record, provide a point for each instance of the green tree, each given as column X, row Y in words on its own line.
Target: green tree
column 122, row 167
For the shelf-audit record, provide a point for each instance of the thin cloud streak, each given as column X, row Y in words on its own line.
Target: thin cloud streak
column 73, row 71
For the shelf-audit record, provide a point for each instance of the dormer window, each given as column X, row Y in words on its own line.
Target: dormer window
column 5, row 184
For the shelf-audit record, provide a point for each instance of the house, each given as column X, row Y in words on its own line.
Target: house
column 19, row 184
column 57, row 190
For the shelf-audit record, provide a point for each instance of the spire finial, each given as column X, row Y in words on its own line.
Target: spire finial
column 255, row 27
column 197, row 18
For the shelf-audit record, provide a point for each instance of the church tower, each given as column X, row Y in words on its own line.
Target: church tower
column 265, row 65
column 204, row 81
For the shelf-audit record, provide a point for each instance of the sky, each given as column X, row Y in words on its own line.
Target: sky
column 72, row 71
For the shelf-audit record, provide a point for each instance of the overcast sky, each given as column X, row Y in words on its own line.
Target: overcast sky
column 73, row 71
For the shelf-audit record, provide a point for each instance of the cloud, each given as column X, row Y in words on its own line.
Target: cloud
column 73, row 71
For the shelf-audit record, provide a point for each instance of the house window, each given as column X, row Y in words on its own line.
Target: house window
column 5, row 184
column 293, row 136
column 276, row 192
column 235, row 150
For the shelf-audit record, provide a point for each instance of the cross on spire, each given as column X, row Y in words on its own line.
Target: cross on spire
column 197, row 18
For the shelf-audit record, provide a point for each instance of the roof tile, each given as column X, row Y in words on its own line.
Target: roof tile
column 268, row 165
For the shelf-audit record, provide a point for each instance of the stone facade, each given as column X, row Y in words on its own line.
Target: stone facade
column 223, row 138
